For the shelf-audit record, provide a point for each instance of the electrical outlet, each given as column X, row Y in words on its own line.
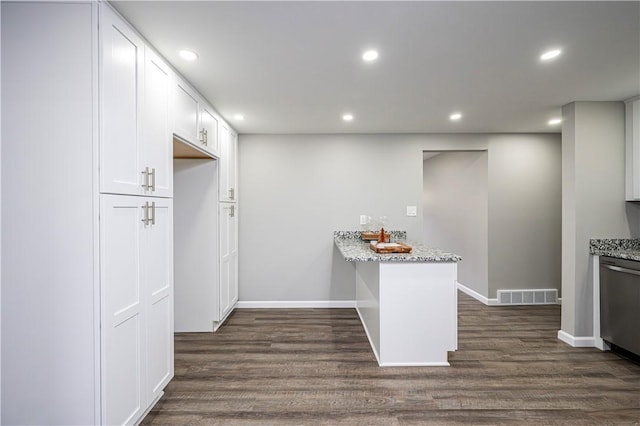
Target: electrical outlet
column 412, row 211
column 363, row 219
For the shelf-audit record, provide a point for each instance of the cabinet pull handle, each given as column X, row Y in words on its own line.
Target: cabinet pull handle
column 153, row 213
column 153, row 179
column 203, row 136
column 206, row 137
column 145, row 180
column 619, row 269
column 232, row 212
column 145, row 218
column 232, row 193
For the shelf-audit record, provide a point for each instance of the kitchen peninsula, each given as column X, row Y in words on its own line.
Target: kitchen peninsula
column 407, row 302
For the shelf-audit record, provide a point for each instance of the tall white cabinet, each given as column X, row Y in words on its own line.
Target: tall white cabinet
column 206, row 277
column 228, row 222
column 87, row 241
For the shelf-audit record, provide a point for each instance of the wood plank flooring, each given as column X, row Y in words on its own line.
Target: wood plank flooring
column 315, row 367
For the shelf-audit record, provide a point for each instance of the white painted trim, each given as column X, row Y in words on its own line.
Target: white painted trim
column 366, row 331
column 415, row 364
column 595, row 271
column 476, row 295
column 576, row 342
column 295, row 304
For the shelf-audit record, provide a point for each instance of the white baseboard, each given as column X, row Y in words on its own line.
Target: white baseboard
column 576, row 342
column 477, row 295
column 296, row 304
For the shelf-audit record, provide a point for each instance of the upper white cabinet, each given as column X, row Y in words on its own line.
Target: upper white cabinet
column 228, row 164
column 194, row 120
column 135, row 113
column 632, row 156
column 209, row 130
column 185, row 112
column 122, row 54
column 156, row 151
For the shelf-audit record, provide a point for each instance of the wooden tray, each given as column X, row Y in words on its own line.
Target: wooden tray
column 370, row 236
column 390, row 247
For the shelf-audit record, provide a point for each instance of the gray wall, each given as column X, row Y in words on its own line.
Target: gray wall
column 525, row 224
column 593, row 206
column 295, row 190
column 455, row 212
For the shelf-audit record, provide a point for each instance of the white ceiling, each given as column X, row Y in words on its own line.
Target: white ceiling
column 295, row 67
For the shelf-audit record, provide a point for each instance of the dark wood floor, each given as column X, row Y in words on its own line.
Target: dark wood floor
column 315, row 366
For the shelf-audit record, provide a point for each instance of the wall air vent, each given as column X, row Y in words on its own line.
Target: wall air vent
column 545, row 296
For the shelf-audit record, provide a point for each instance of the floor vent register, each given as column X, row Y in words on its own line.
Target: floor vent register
column 547, row 296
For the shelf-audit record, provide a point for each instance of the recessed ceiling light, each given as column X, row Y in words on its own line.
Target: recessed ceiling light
column 554, row 121
column 238, row 117
column 188, row 55
column 455, row 116
column 550, row 54
column 347, row 117
column 370, row 55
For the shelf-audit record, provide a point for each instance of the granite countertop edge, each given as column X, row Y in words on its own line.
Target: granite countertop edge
column 619, row 248
column 353, row 249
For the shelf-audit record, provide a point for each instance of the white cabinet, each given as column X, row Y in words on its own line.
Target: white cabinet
column 228, row 258
column 134, row 114
column 156, row 146
column 91, row 282
column 632, row 155
column 228, row 220
column 136, row 249
column 194, row 120
column 209, row 130
column 185, row 112
column 228, row 165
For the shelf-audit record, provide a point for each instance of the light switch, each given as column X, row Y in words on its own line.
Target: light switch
column 363, row 219
column 412, row 211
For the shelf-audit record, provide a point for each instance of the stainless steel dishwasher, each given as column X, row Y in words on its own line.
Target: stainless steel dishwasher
column 620, row 303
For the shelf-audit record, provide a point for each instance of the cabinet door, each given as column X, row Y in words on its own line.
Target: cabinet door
column 156, row 147
column 209, row 130
column 632, row 154
column 123, row 322
column 185, row 112
column 227, row 164
column 228, row 258
column 120, row 93
column 157, row 270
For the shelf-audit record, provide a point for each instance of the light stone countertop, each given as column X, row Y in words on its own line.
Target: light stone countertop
column 618, row 248
column 353, row 249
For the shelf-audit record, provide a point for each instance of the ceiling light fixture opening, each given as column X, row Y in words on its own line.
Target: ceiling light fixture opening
column 455, row 116
column 347, row 117
column 554, row 121
column 188, row 55
column 370, row 55
column 550, row 54
column 238, row 117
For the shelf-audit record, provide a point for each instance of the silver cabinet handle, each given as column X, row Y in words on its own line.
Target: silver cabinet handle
column 232, row 193
column 619, row 269
column 153, row 179
column 232, row 213
column 145, row 180
column 203, row 136
column 145, row 218
column 206, row 137
column 153, row 213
